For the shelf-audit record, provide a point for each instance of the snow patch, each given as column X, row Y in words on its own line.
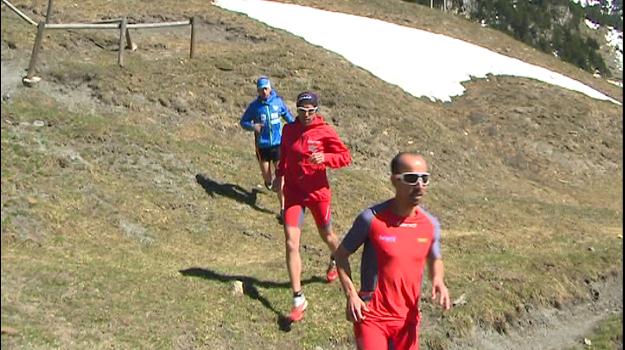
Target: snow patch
column 428, row 67
column 585, row 3
column 591, row 24
column 615, row 38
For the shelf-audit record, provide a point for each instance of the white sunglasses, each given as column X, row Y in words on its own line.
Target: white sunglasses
column 307, row 110
column 413, row 178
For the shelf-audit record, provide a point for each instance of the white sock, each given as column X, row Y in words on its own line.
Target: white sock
column 297, row 301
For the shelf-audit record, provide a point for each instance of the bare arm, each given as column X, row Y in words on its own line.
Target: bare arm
column 437, row 273
column 355, row 306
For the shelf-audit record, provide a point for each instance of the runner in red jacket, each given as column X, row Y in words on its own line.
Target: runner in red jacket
column 309, row 146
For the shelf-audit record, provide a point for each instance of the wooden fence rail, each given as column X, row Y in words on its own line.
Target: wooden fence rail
column 118, row 23
column 19, row 13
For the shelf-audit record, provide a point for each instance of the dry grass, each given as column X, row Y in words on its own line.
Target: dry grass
column 126, row 222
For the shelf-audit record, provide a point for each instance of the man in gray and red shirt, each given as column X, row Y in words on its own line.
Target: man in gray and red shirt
column 400, row 237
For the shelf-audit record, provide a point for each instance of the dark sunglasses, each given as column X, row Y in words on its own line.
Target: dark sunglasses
column 414, row 178
column 307, row 110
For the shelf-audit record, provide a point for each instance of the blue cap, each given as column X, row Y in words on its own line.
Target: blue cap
column 263, row 82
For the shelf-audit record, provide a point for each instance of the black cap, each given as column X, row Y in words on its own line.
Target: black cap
column 307, row 97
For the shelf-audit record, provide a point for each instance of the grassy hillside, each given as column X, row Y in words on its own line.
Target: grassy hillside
column 131, row 201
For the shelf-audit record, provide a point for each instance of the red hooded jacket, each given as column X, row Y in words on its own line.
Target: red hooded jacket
column 303, row 180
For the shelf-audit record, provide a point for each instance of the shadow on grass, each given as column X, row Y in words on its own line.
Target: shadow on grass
column 249, row 288
column 235, row 192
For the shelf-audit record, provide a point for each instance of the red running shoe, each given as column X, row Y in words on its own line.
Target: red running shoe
column 332, row 274
column 297, row 312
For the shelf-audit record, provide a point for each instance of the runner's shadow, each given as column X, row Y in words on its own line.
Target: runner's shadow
column 235, row 192
column 249, row 288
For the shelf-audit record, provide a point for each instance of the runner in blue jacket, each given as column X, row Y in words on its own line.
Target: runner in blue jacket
column 264, row 116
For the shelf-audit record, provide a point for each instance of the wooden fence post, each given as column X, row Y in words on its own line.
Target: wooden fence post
column 49, row 12
column 122, row 44
column 30, row 76
column 129, row 43
column 193, row 24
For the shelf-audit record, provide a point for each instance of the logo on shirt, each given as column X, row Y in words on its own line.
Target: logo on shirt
column 313, row 145
column 408, row 225
column 391, row 239
column 422, row 240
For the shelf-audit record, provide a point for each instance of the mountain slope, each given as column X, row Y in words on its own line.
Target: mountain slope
column 127, row 216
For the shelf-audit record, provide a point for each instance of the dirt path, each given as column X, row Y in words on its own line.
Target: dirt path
column 554, row 328
column 13, row 68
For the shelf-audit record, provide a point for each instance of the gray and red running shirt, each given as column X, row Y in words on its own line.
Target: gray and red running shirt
column 394, row 256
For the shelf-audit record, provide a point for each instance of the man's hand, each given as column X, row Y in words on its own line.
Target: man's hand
column 439, row 289
column 354, row 309
column 258, row 128
column 317, row 158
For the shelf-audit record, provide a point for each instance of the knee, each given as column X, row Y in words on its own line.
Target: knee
column 292, row 246
column 291, row 242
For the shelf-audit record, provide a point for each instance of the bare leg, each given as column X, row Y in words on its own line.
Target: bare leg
column 265, row 171
column 329, row 237
column 279, row 192
column 293, row 259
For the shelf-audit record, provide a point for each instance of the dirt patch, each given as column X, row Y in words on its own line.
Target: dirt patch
column 13, row 69
column 555, row 328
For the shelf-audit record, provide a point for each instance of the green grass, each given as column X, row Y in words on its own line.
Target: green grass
column 607, row 336
column 108, row 239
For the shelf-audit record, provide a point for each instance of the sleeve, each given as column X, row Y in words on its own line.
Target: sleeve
column 336, row 154
column 285, row 113
column 247, row 119
column 435, row 248
column 368, row 268
column 359, row 232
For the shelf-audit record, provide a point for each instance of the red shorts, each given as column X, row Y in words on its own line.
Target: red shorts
column 294, row 213
column 397, row 335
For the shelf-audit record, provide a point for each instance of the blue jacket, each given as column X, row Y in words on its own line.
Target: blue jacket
column 269, row 113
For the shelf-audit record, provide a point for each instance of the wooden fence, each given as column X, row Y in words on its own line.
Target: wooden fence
column 120, row 24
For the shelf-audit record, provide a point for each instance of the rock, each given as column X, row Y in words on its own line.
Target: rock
column 266, row 235
column 477, row 117
column 460, row 301
column 164, row 102
column 237, row 288
column 180, row 104
column 30, row 82
column 8, row 330
column 523, row 110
